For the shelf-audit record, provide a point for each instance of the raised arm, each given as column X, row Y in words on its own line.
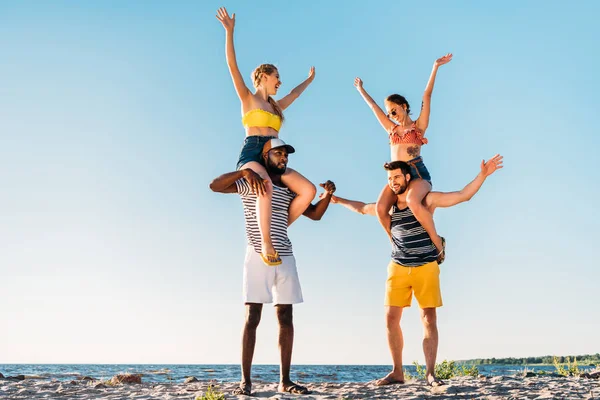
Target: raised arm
column 381, row 116
column 423, row 120
column 226, row 182
column 449, row 199
column 316, row 211
column 286, row 101
column 356, row 206
column 238, row 82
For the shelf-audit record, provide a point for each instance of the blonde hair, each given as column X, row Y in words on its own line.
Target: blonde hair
column 257, row 75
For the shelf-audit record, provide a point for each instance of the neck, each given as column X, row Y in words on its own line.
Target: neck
column 405, row 121
column 276, row 179
column 262, row 93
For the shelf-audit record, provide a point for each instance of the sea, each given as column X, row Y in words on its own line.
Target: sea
column 162, row 373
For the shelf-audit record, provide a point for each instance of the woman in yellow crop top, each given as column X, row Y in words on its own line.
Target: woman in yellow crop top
column 262, row 117
column 406, row 138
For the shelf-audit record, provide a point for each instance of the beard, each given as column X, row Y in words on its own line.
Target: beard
column 274, row 169
column 400, row 190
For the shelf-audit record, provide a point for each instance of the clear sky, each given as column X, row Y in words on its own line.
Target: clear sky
column 115, row 116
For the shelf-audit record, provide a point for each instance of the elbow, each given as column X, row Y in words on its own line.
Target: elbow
column 213, row 186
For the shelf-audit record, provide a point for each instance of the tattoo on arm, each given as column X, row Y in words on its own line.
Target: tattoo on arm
column 413, row 151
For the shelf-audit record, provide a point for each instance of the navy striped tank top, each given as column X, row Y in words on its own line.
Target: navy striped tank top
column 411, row 245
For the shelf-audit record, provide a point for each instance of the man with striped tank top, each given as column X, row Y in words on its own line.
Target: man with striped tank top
column 262, row 283
column 413, row 268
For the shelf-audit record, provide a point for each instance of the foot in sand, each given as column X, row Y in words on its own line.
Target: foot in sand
column 434, row 381
column 244, row 389
column 293, row 388
column 390, row 379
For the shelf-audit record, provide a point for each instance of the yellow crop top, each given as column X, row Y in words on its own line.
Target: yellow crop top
column 261, row 118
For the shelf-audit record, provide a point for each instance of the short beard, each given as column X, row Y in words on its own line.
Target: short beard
column 273, row 169
column 400, row 191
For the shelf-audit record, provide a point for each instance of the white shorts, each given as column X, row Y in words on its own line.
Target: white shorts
column 264, row 284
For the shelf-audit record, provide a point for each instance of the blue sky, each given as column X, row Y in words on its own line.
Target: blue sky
column 115, row 116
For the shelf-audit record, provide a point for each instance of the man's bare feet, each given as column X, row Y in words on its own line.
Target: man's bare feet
column 390, row 379
column 433, row 381
column 245, row 389
column 293, row 388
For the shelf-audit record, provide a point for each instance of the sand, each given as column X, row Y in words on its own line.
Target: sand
column 499, row 387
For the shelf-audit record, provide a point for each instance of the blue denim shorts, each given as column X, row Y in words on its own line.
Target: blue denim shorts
column 252, row 149
column 418, row 170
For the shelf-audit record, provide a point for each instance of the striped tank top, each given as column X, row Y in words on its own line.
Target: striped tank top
column 282, row 197
column 411, row 245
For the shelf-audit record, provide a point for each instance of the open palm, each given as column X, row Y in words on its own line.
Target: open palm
column 224, row 18
column 443, row 60
column 490, row 166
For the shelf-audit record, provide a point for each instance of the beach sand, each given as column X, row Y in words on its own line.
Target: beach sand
column 499, row 387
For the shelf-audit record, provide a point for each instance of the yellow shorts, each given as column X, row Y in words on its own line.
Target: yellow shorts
column 424, row 281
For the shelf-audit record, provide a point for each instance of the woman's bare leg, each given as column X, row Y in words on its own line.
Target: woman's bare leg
column 263, row 211
column 386, row 200
column 416, row 192
column 305, row 193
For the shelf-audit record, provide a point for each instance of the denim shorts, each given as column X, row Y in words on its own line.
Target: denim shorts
column 252, row 149
column 418, row 170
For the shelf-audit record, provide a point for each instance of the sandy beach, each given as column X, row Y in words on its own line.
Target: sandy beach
column 499, row 387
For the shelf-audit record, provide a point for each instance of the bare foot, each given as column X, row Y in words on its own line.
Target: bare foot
column 293, row 388
column 268, row 253
column 390, row 379
column 245, row 389
column 434, row 382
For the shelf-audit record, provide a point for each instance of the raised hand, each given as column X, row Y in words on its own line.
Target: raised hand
column 358, row 83
column 443, row 60
column 224, row 18
column 311, row 73
column 490, row 166
column 257, row 184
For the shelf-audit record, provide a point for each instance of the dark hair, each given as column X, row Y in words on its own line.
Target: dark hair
column 401, row 165
column 400, row 100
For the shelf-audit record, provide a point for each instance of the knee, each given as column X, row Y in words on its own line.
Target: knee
column 252, row 319
column 414, row 202
column 429, row 320
column 392, row 320
column 285, row 316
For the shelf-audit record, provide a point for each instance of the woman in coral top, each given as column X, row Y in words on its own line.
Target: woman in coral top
column 262, row 117
column 406, row 138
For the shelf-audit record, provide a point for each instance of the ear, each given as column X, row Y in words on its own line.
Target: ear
column 407, row 177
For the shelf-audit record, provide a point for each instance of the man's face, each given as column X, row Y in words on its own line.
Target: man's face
column 397, row 181
column 276, row 160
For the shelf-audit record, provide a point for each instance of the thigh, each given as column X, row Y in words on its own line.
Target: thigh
column 426, row 284
column 417, row 190
column 387, row 197
column 258, row 279
column 258, row 168
column 287, row 288
column 295, row 181
column 398, row 288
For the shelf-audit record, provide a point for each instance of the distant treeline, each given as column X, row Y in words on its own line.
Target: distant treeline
column 586, row 359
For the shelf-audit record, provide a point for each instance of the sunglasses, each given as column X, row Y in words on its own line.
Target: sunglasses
column 393, row 112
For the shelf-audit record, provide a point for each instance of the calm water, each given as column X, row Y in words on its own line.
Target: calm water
column 228, row 373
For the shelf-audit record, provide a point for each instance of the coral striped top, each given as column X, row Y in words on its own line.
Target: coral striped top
column 411, row 135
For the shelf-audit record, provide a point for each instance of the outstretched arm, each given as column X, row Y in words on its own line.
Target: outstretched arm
column 316, row 211
column 238, row 82
column 381, row 116
column 423, row 120
column 226, row 182
column 356, row 206
column 286, row 101
column 449, row 199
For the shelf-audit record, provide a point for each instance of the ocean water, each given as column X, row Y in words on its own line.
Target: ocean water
column 228, row 373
